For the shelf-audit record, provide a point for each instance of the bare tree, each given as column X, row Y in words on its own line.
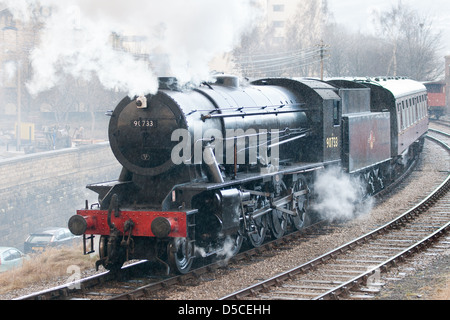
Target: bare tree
column 354, row 54
column 262, row 54
column 413, row 43
column 406, row 45
column 419, row 51
column 305, row 32
column 255, row 48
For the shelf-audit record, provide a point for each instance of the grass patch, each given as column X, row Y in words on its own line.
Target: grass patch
column 51, row 264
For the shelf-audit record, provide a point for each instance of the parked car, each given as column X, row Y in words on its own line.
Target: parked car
column 10, row 258
column 53, row 237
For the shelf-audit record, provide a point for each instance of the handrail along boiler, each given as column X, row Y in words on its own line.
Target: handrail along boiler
column 208, row 169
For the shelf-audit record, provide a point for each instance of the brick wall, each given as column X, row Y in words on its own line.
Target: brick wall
column 45, row 190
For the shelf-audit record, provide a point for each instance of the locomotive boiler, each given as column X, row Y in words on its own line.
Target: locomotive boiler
column 209, row 168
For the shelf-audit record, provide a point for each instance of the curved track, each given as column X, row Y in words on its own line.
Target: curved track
column 352, row 270
column 357, row 270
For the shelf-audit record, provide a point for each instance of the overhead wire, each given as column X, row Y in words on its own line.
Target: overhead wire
column 279, row 61
column 296, row 55
column 277, row 53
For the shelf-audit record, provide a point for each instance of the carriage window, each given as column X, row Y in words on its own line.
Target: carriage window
column 416, row 113
column 415, row 110
column 336, row 112
column 423, row 107
column 418, row 109
column 411, row 112
column 407, row 114
column 403, row 115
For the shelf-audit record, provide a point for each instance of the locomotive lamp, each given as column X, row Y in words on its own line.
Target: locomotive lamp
column 141, row 102
column 78, row 225
column 161, row 227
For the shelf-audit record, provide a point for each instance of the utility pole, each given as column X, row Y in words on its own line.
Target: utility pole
column 322, row 47
column 19, row 107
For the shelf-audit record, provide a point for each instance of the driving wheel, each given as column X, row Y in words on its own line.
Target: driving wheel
column 300, row 202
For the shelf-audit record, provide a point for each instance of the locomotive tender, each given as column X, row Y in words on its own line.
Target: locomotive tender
column 207, row 169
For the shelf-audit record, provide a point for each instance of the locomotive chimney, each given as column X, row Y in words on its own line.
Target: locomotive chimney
column 228, row 81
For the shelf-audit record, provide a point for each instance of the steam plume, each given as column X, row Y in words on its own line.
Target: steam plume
column 340, row 197
column 76, row 39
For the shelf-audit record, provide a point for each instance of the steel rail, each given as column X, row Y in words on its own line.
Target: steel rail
column 331, row 294
column 64, row 291
column 420, row 208
column 423, row 206
column 362, row 279
column 196, row 273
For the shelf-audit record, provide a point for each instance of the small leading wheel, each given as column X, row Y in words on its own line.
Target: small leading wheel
column 112, row 255
column 300, row 203
column 180, row 252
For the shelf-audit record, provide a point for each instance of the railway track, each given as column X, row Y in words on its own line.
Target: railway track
column 133, row 283
column 440, row 122
column 353, row 270
column 135, row 286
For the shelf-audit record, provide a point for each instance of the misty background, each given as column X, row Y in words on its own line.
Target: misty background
column 64, row 63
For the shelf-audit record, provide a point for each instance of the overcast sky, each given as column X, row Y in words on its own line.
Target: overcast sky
column 357, row 14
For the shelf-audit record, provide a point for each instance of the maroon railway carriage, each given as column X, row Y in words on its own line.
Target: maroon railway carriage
column 437, row 99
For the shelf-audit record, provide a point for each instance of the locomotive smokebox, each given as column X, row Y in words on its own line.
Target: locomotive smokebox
column 140, row 133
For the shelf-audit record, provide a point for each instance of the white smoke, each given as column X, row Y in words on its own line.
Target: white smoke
column 227, row 251
column 76, row 39
column 9, row 70
column 224, row 251
column 340, row 197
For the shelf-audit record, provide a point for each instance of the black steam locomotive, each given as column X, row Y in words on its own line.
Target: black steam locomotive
column 208, row 169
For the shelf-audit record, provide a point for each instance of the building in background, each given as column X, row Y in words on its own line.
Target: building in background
column 278, row 13
column 70, row 104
